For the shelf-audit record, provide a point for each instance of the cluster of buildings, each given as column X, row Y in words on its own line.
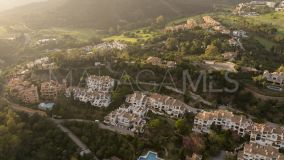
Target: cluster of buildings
column 209, row 23
column 29, row 93
column 255, row 151
column 239, row 34
column 97, row 91
column 251, row 8
column 132, row 114
column 265, row 136
column 156, row 61
column 50, row 90
column 275, row 77
column 23, row 90
column 41, row 64
column 46, row 41
column 280, row 7
column 190, row 24
column 212, row 25
column 105, row 46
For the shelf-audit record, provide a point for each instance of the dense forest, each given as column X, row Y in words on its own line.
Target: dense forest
column 31, row 138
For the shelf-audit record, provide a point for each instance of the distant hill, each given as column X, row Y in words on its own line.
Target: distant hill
column 101, row 14
column 8, row 4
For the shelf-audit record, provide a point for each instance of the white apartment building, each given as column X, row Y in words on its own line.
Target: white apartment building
column 110, row 45
column 280, row 7
column 100, row 83
column 43, row 63
column 96, row 93
column 227, row 120
column 161, row 104
column 137, row 99
column 262, row 134
column 240, row 33
column 275, row 77
column 97, row 99
column 132, row 115
column 257, row 152
column 266, row 135
column 124, row 118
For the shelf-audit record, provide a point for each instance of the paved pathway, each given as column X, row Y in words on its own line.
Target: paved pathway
column 29, row 111
column 83, row 148
column 102, row 126
column 241, row 44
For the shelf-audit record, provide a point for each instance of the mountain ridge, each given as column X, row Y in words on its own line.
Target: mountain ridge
column 101, row 14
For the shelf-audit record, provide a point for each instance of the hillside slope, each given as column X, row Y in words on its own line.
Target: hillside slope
column 101, row 13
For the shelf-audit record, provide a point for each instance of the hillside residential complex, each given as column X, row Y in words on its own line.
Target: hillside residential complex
column 132, row 114
column 263, row 134
column 49, row 90
column 255, row 151
column 100, row 83
column 97, row 92
column 23, row 90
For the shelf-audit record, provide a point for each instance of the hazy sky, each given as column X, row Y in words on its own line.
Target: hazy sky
column 8, row 4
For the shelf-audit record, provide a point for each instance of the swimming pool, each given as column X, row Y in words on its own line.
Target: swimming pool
column 150, row 156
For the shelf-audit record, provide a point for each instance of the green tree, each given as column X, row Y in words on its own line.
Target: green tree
column 181, row 126
column 212, row 50
column 160, row 21
column 155, row 123
column 171, row 43
column 281, row 69
column 259, row 80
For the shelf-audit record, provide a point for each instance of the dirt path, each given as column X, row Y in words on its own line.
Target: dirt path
column 261, row 96
column 27, row 110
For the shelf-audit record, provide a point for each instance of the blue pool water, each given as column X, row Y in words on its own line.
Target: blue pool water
column 150, row 156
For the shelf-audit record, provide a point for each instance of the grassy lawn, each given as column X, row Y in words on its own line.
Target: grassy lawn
column 121, row 38
column 140, row 34
column 82, row 34
column 276, row 19
column 3, row 32
column 268, row 44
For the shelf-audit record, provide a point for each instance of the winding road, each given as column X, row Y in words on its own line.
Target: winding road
column 83, row 148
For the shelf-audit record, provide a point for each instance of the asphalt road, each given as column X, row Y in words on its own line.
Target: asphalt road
column 83, row 148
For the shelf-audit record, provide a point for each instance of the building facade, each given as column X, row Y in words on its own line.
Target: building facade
column 262, row 134
column 23, row 90
column 275, row 77
column 132, row 115
column 49, row 90
column 257, row 152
